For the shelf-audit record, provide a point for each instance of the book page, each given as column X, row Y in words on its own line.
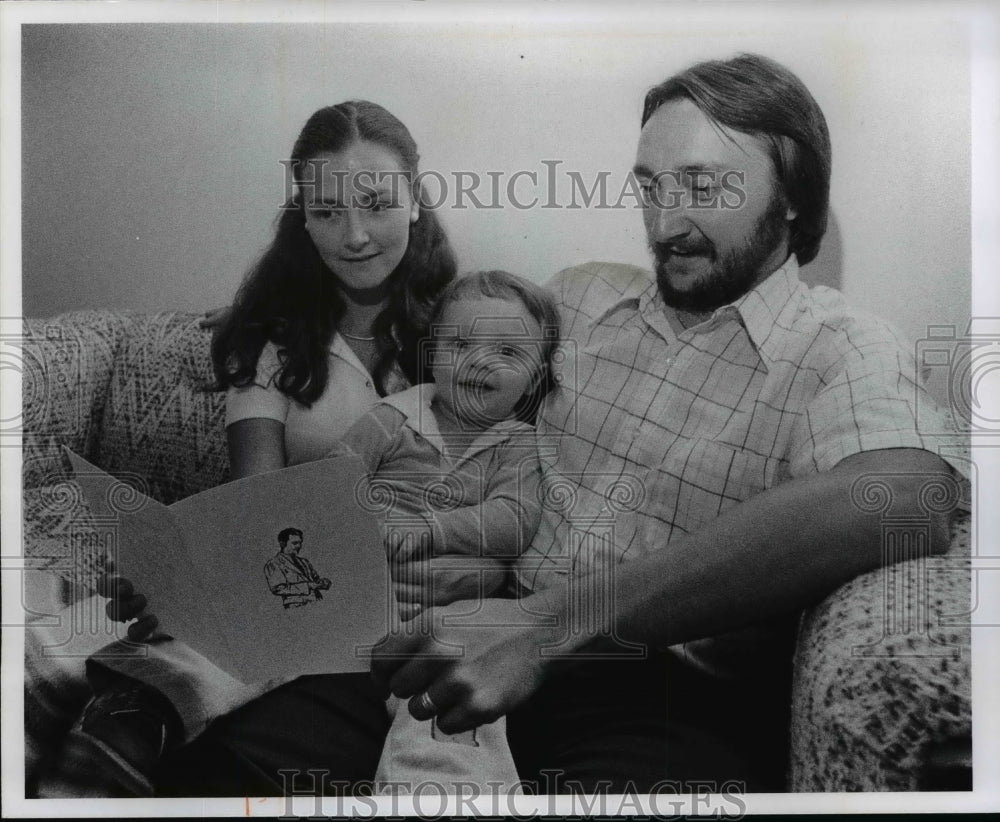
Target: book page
column 147, row 547
column 219, row 578
column 313, row 605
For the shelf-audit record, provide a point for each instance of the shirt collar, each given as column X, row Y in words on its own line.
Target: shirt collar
column 340, row 348
column 764, row 311
column 415, row 405
column 395, row 380
column 767, row 308
column 635, row 296
column 644, row 299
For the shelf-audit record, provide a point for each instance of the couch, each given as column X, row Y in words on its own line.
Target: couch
column 881, row 692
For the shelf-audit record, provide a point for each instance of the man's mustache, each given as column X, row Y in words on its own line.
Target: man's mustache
column 684, row 248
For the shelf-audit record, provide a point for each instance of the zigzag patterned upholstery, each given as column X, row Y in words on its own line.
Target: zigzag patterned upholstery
column 162, row 422
column 129, row 393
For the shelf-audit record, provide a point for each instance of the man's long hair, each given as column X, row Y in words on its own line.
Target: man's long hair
column 757, row 96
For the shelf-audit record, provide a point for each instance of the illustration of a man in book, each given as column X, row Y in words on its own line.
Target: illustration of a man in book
column 292, row 576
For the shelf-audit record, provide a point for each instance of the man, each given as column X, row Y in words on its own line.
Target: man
column 292, row 577
column 719, row 416
column 742, row 408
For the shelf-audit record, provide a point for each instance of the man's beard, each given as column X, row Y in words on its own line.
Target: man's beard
column 734, row 274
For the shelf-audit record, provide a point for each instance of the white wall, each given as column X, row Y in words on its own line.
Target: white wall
column 150, row 152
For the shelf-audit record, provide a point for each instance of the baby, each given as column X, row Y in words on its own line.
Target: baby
column 458, row 460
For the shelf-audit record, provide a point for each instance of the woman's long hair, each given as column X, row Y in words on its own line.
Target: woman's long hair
column 290, row 297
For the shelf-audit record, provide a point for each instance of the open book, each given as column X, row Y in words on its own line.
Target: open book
column 274, row 575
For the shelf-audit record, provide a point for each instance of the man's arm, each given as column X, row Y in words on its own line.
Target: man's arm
column 315, row 581
column 285, row 580
column 773, row 554
column 277, row 580
column 311, row 575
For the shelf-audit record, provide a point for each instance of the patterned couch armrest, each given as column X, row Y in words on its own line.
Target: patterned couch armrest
column 162, row 423
column 126, row 391
column 882, row 675
column 66, row 365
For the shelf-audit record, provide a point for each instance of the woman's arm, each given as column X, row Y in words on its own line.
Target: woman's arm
column 255, row 420
column 256, row 445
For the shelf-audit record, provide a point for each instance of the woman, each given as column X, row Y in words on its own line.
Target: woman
column 329, row 320
column 331, row 317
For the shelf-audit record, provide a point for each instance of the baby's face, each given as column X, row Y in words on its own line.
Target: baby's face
column 487, row 357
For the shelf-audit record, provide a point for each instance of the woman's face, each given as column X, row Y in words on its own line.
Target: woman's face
column 358, row 210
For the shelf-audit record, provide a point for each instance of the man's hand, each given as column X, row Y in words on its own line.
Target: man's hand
column 473, row 674
column 420, row 583
column 324, row 584
column 125, row 604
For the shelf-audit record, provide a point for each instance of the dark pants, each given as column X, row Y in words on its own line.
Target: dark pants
column 630, row 726
column 612, row 726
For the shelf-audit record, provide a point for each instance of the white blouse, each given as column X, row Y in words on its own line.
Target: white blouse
column 311, row 432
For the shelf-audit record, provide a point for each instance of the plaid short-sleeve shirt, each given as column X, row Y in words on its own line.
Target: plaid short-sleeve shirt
column 656, row 433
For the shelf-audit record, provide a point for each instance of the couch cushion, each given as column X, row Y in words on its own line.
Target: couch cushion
column 161, row 421
column 883, row 674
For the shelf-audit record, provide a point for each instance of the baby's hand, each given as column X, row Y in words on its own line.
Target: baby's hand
column 443, row 580
column 125, row 604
